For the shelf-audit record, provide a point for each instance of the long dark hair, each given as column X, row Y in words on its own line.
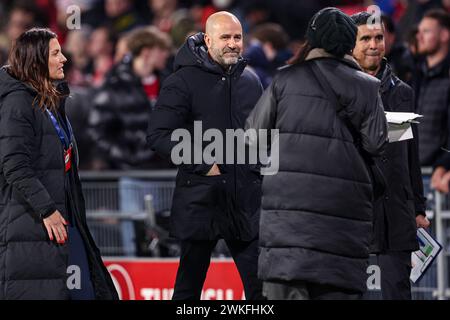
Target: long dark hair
column 301, row 54
column 28, row 62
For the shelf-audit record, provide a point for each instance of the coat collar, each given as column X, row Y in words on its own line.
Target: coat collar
column 385, row 75
column 319, row 53
column 195, row 53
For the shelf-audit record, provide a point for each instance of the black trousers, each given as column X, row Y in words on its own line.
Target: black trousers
column 395, row 267
column 302, row 290
column 194, row 263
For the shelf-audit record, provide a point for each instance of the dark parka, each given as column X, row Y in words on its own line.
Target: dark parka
column 118, row 121
column 316, row 217
column 432, row 93
column 32, row 185
column 206, row 208
column 395, row 212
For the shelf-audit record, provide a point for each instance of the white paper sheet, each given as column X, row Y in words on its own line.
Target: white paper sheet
column 400, row 125
column 401, row 117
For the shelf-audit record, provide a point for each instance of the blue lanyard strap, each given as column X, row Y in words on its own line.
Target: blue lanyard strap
column 59, row 131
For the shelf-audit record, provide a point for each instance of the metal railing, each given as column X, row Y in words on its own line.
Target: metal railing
column 119, row 214
column 441, row 218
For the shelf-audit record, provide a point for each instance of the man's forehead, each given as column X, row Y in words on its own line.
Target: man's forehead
column 228, row 27
column 429, row 22
column 229, row 32
column 223, row 22
column 372, row 30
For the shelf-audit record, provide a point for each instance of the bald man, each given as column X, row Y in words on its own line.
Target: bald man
column 219, row 199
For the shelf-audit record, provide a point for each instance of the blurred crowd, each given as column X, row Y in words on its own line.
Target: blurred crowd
column 122, row 50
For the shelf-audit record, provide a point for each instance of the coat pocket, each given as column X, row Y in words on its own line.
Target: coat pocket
column 197, row 204
column 198, row 195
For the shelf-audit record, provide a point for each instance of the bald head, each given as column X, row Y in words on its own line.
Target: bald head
column 223, row 37
column 218, row 19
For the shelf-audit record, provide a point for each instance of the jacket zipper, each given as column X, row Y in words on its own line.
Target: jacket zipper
column 229, row 76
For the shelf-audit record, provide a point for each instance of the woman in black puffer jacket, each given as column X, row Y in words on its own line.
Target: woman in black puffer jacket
column 43, row 227
column 316, row 211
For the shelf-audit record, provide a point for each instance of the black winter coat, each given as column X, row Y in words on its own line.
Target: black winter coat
column 118, row 121
column 395, row 212
column 432, row 89
column 316, row 217
column 206, row 208
column 33, row 185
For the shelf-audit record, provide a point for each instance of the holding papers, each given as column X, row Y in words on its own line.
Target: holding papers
column 400, row 125
column 422, row 258
column 402, row 117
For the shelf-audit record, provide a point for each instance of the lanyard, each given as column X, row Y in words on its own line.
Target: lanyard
column 59, row 131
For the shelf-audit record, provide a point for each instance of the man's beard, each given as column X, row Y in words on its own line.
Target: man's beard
column 227, row 61
column 230, row 60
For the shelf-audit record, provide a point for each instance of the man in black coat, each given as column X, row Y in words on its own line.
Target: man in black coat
column 211, row 201
column 401, row 209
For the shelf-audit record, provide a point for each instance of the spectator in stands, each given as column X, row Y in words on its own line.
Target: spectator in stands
column 267, row 51
column 79, row 71
column 432, row 87
column 119, row 115
column 121, row 48
column 397, row 53
column 211, row 201
column 183, row 26
column 163, row 11
column 15, row 18
column 23, row 16
column 441, row 177
column 100, row 50
column 413, row 13
column 411, row 42
column 441, row 181
column 316, row 214
column 292, row 15
column 255, row 12
column 401, row 210
column 84, row 6
column 122, row 16
column 77, row 109
column 43, row 226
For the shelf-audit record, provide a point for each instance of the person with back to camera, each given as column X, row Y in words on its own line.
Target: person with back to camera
column 316, row 215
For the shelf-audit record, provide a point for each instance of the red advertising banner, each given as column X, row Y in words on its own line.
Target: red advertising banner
column 153, row 279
